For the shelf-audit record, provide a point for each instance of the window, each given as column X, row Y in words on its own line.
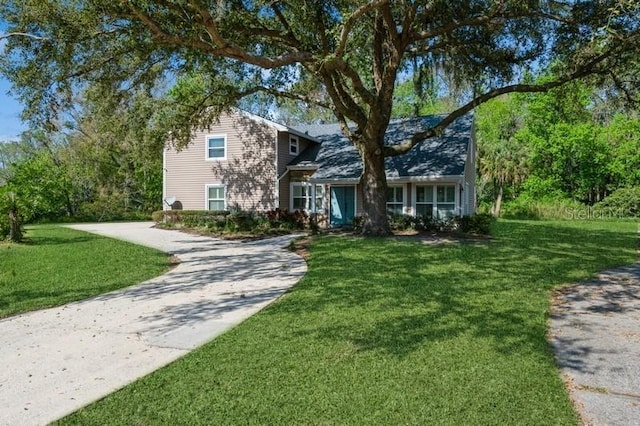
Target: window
column 424, row 200
column 446, row 197
column 439, row 200
column 216, row 147
column 301, row 196
column 216, row 197
column 319, row 198
column 293, row 145
column 395, row 199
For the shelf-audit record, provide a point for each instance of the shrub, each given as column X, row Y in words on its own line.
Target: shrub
column 402, row 222
column 422, row 223
column 623, row 202
column 290, row 220
column 526, row 208
column 357, row 223
column 479, row 223
column 192, row 218
column 242, row 221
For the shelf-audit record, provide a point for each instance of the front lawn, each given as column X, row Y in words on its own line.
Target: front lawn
column 390, row 331
column 57, row 265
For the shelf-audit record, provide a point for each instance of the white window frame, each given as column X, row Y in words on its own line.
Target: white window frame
column 404, row 197
column 206, row 195
column 318, row 208
column 455, row 199
column 310, row 197
column 222, row 136
column 415, row 197
column 294, row 141
column 434, row 188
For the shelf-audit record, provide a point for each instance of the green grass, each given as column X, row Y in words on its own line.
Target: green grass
column 58, row 265
column 390, row 332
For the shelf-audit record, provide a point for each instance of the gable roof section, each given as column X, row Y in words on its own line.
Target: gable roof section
column 278, row 127
column 338, row 160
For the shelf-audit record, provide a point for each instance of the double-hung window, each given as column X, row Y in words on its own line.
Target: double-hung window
column 424, row 200
column 438, row 200
column 319, row 198
column 446, row 197
column 216, row 147
column 294, row 145
column 395, row 199
column 216, row 197
column 301, row 196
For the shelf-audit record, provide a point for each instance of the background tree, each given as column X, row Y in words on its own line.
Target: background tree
column 568, row 143
column 354, row 51
column 10, row 217
column 503, row 158
column 115, row 152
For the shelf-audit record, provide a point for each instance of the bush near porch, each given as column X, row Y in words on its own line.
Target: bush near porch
column 233, row 224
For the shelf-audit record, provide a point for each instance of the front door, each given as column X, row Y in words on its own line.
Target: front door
column 343, row 205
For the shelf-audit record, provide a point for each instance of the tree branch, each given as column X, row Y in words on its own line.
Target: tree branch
column 285, row 23
column 337, row 64
column 584, row 70
column 220, row 46
column 343, row 102
column 25, row 35
column 286, row 95
column 351, row 20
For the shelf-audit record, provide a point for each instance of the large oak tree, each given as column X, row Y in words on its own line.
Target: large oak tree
column 345, row 56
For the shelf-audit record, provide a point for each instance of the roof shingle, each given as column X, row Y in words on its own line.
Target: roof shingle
column 337, row 159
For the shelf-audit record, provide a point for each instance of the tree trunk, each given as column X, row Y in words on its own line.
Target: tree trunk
column 15, row 228
column 374, row 188
column 498, row 202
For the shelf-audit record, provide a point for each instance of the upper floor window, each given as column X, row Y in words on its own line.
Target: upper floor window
column 216, row 147
column 294, row 145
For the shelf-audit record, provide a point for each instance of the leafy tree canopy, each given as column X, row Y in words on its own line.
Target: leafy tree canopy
column 344, row 56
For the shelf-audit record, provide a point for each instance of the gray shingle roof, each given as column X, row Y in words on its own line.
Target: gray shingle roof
column 337, row 159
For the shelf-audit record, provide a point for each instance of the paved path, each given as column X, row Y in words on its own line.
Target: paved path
column 595, row 332
column 57, row 360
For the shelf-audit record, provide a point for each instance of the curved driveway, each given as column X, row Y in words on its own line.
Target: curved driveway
column 57, row 360
column 595, row 332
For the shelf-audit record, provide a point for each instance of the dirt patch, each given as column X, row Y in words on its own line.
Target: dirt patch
column 301, row 247
column 174, row 261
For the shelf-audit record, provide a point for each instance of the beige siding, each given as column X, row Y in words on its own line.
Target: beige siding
column 248, row 172
column 284, row 158
column 285, row 192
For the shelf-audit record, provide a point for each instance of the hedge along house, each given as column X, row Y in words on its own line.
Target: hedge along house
column 247, row 162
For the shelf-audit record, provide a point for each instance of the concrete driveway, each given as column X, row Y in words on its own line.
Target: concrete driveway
column 595, row 333
column 57, row 360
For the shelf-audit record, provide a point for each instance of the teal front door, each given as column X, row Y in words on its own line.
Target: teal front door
column 343, row 205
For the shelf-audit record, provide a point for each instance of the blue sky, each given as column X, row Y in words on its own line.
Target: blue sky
column 10, row 108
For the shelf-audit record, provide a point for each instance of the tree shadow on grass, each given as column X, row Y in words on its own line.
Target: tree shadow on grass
column 410, row 295
column 46, row 239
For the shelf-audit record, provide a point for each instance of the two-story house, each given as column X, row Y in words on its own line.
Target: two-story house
column 251, row 163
